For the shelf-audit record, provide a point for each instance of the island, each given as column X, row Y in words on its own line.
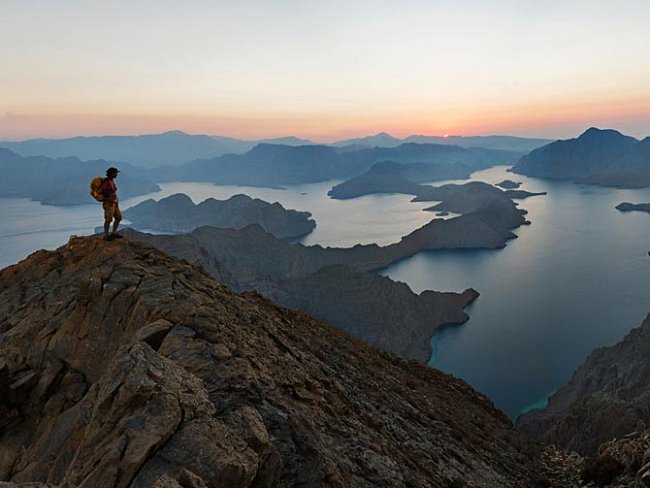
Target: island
column 509, row 184
column 177, row 213
column 628, row 207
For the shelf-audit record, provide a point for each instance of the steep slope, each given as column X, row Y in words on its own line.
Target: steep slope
column 607, row 397
column 177, row 213
column 604, row 157
column 121, row 366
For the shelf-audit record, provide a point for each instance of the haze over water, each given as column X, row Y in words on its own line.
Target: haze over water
column 576, row 279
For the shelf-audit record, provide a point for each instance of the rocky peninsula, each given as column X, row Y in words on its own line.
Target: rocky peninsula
column 177, row 213
column 337, row 284
column 121, row 366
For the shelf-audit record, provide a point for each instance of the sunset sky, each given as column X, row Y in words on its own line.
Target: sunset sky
column 323, row 70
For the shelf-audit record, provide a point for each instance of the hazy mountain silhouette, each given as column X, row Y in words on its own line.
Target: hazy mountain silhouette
column 508, row 143
column 64, row 181
column 173, row 147
column 598, row 156
column 275, row 165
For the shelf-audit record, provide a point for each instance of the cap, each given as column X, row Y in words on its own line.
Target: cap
column 112, row 170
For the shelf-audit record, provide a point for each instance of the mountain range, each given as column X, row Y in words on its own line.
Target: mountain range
column 64, row 181
column 176, row 147
column 275, row 165
column 506, row 143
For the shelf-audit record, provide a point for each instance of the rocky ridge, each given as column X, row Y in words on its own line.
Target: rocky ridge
column 331, row 284
column 123, row 367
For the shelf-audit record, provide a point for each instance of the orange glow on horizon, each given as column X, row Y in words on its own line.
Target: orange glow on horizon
column 558, row 119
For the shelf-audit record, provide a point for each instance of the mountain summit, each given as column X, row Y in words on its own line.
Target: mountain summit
column 123, row 367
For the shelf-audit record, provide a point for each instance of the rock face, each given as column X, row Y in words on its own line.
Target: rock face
column 177, row 213
column 628, row 207
column 123, row 367
column 604, row 157
column 64, row 181
column 608, row 397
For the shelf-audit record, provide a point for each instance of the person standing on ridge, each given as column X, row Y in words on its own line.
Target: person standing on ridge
column 111, row 207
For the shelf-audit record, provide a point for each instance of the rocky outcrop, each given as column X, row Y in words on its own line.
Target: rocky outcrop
column 64, row 181
column 604, row 157
column 607, row 397
column 177, row 213
column 123, row 367
column 628, row 207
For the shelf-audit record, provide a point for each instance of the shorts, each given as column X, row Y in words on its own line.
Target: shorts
column 111, row 210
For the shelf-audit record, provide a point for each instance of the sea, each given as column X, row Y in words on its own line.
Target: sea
column 577, row 278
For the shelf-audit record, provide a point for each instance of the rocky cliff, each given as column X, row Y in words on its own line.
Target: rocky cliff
column 177, row 213
column 607, row 397
column 123, row 367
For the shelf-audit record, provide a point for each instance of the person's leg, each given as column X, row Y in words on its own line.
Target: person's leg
column 118, row 218
column 109, row 210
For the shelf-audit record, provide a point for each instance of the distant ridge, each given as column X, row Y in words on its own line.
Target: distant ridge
column 508, row 143
column 149, row 150
column 176, row 147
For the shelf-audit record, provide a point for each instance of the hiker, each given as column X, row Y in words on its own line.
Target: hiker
column 109, row 202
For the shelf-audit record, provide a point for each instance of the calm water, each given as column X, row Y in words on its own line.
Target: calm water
column 577, row 278
column 26, row 226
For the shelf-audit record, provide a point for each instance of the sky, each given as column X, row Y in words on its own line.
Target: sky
column 323, row 70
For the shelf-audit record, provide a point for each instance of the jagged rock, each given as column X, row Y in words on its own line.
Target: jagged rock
column 240, row 392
